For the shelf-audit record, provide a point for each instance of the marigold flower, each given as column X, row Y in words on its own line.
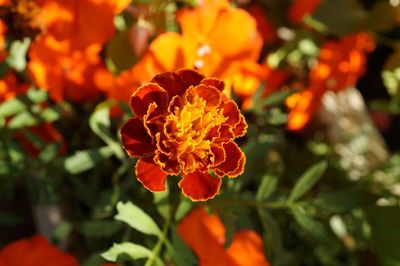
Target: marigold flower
column 205, row 234
column 184, row 125
column 339, row 66
column 34, row 251
column 216, row 40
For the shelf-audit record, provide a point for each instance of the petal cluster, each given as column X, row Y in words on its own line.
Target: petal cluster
column 340, row 64
column 184, row 125
column 205, row 234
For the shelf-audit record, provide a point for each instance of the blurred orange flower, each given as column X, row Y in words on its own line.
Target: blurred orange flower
column 216, row 40
column 301, row 8
column 184, row 125
column 65, row 61
column 339, row 66
column 34, row 251
column 65, row 73
column 205, row 235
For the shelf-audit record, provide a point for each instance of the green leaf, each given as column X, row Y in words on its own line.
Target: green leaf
column 351, row 19
column 267, row 187
column 99, row 229
column 22, row 102
column 134, row 251
column 384, row 222
column 307, row 180
column 17, row 55
column 26, row 118
column 382, row 17
column 345, row 200
column 162, row 203
column 85, row 160
column 181, row 254
column 100, row 124
column 137, row 218
column 312, row 227
column 119, row 54
column 183, row 208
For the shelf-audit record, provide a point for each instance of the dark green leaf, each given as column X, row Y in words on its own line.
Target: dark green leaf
column 9, row 219
column 307, row 180
column 267, row 187
column 99, row 229
column 384, row 222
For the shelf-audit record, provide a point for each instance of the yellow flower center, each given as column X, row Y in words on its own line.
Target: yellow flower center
column 188, row 128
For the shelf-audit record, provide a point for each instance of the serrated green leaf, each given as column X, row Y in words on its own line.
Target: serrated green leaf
column 162, row 203
column 26, row 118
column 84, row 160
column 384, row 222
column 267, row 187
column 137, row 218
column 134, row 251
column 307, row 180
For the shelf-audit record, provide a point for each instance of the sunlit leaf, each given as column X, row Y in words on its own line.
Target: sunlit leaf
column 84, row 160
column 137, row 218
column 134, row 251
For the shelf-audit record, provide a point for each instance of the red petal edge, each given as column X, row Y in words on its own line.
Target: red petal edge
column 199, row 186
column 150, row 175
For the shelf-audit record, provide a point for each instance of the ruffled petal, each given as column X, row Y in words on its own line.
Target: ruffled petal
column 146, row 95
column 135, row 139
column 171, row 82
column 234, row 163
column 241, row 128
column 247, row 249
column 217, row 83
column 150, row 174
column 190, row 77
column 231, row 111
column 199, row 186
column 219, row 155
column 211, row 95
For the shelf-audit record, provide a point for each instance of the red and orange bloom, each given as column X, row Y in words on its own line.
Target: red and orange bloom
column 339, row 66
column 65, row 60
column 184, row 125
column 205, row 234
column 34, row 251
column 216, row 40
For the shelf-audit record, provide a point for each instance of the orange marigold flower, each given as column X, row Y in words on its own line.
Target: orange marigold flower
column 205, row 235
column 65, row 73
column 216, row 40
column 34, row 251
column 184, row 125
column 339, row 66
column 301, row 8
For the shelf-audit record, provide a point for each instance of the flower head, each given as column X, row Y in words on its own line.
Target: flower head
column 340, row 64
column 205, row 234
column 184, row 125
column 34, row 251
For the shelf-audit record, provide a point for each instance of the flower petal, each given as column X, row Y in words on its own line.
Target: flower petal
column 217, row 83
column 241, row 128
column 211, row 95
column 147, row 94
column 135, row 139
column 219, row 154
column 234, row 163
column 199, row 186
column 171, row 82
column 247, row 249
column 231, row 111
column 190, row 77
column 205, row 234
column 150, row 174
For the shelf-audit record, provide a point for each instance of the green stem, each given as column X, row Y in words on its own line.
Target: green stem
column 161, row 239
